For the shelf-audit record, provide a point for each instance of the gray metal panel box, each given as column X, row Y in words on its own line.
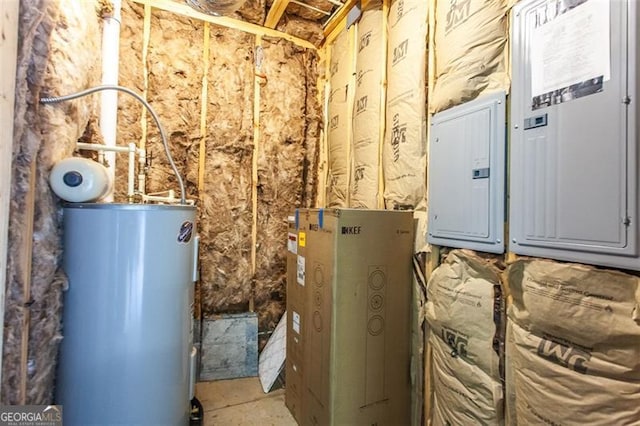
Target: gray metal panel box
column 573, row 177
column 466, row 175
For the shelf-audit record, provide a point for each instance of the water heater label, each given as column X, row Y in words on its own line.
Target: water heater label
column 301, row 270
column 302, row 238
column 185, row 233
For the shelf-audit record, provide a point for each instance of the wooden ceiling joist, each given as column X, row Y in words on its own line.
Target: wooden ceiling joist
column 224, row 21
column 275, row 13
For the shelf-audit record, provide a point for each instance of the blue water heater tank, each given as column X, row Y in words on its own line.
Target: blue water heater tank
column 126, row 356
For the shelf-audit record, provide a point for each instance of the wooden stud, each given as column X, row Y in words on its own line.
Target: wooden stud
column 9, row 18
column 25, row 260
column 254, row 168
column 511, row 257
column 434, row 257
column 428, row 356
column 275, row 13
column 383, row 101
column 223, row 21
column 323, row 162
column 204, row 102
column 146, row 35
column 322, row 85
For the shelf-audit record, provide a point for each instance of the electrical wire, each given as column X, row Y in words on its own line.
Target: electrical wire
column 163, row 135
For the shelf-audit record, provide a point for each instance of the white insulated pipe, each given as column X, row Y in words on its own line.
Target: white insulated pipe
column 109, row 98
column 132, row 150
column 131, row 190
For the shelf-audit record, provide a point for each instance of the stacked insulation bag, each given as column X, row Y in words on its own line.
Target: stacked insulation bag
column 340, row 70
column 573, row 345
column 404, row 159
column 466, row 316
column 471, row 53
column 367, row 110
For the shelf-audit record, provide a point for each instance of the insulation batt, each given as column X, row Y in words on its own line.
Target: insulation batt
column 367, row 112
column 574, row 345
column 306, row 13
column 462, row 393
column 253, row 11
column 314, row 122
column 305, row 29
column 338, row 130
column 470, row 50
column 225, row 209
column 281, row 167
column 405, row 145
column 58, row 54
column 175, row 87
column 465, row 307
column 466, row 316
column 288, row 147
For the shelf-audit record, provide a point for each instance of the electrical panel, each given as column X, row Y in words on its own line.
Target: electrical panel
column 467, row 175
column 573, row 131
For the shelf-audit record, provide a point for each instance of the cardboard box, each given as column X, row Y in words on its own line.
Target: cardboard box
column 295, row 320
column 356, row 329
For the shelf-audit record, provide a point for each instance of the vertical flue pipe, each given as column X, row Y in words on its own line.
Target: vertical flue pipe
column 109, row 98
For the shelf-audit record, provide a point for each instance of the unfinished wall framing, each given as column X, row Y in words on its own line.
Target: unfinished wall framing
column 59, row 53
column 364, row 99
column 248, row 153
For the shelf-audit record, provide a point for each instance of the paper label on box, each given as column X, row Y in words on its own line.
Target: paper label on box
column 296, row 322
column 302, row 238
column 292, row 243
column 301, row 270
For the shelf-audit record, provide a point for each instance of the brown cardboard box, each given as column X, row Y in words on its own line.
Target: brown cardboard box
column 295, row 321
column 356, row 327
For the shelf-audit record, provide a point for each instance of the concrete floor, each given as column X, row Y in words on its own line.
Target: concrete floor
column 242, row 402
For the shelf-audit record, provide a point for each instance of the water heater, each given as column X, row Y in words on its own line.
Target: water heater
column 126, row 356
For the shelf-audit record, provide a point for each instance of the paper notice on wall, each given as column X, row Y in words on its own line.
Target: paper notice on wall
column 301, row 270
column 296, row 322
column 570, row 52
column 292, row 243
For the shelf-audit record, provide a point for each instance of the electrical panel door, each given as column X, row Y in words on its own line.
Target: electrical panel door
column 573, row 131
column 466, row 175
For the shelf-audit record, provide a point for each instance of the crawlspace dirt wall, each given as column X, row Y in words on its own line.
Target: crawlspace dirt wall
column 282, row 166
column 58, row 54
